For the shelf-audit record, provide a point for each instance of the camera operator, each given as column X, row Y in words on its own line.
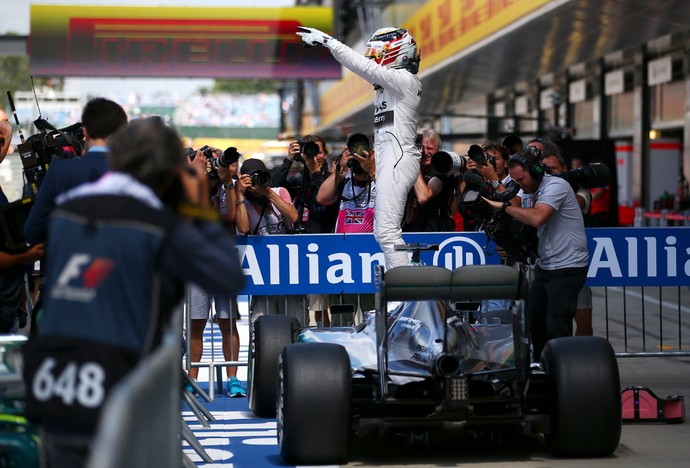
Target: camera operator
column 227, row 312
column 119, row 258
column 264, row 210
column 561, row 270
column 12, row 265
column 583, row 314
column 428, row 203
column 390, row 63
column 100, row 118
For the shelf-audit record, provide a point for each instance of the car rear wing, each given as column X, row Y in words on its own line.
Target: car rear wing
column 428, row 283
column 472, row 282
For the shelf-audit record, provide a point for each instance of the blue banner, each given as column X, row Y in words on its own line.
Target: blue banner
column 337, row 263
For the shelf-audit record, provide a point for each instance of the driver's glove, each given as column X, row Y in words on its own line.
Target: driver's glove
column 313, row 37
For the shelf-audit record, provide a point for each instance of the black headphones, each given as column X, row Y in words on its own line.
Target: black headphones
column 535, row 169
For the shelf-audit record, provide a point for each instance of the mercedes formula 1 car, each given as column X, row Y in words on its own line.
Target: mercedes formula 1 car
column 423, row 361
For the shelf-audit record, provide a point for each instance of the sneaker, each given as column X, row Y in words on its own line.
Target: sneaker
column 234, row 388
column 189, row 388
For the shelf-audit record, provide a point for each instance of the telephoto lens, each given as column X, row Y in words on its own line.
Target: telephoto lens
column 477, row 155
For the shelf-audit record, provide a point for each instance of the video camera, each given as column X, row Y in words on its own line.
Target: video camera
column 39, row 150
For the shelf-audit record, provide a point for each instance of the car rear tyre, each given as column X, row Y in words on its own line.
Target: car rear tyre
column 585, row 398
column 270, row 334
column 314, row 383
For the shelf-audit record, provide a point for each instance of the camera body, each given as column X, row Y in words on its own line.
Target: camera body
column 39, row 150
column 207, row 152
column 261, row 178
column 518, row 240
column 308, row 148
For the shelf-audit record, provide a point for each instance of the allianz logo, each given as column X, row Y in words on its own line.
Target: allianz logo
column 457, row 252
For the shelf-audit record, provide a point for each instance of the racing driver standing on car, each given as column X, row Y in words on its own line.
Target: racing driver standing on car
column 390, row 63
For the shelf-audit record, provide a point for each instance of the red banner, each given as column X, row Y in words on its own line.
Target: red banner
column 248, row 43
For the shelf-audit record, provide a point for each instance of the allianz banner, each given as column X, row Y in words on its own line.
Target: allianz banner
column 336, row 263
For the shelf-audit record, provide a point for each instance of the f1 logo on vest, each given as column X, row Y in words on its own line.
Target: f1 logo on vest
column 92, row 271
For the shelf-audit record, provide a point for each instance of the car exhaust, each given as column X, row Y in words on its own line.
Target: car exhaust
column 447, row 364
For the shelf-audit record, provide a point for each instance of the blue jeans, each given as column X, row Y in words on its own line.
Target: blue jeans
column 552, row 304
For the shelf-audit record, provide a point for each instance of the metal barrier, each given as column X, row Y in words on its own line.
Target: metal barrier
column 215, row 365
column 140, row 423
column 645, row 321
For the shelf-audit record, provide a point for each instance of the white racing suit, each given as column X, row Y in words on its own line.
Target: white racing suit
column 397, row 158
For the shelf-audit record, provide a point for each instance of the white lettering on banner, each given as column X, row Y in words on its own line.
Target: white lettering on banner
column 632, row 253
column 651, row 256
column 671, row 267
column 368, row 265
column 246, row 253
column 293, row 261
column 605, row 257
column 274, row 262
column 604, row 246
column 344, row 268
column 313, row 264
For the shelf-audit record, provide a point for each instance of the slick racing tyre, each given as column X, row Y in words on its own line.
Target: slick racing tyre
column 314, row 391
column 584, row 395
column 270, row 334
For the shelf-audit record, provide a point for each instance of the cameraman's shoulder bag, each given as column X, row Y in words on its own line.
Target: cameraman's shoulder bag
column 640, row 404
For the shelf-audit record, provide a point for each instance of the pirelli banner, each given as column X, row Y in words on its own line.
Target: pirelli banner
column 252, row 43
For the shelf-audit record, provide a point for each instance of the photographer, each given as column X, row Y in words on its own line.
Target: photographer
column 390, row 63
column 428, row 203
column 313, row 218
column 583, row 315
column 263, row 210
column 12, row 265
column 312, row 153
column 352, row 188
column 119, row 259
column 494, row 169
column 227, row 312
column 561, row 270
column 100, row 118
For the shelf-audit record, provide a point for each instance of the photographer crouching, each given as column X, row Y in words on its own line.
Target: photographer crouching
column 561, row 269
